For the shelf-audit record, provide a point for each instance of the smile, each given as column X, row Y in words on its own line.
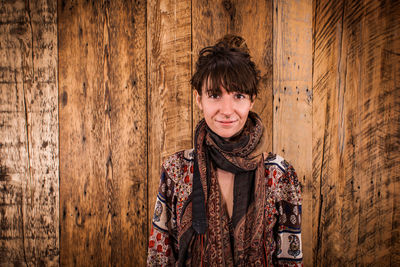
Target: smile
column 226, row 122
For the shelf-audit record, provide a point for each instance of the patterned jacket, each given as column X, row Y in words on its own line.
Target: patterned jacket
column 282, row 212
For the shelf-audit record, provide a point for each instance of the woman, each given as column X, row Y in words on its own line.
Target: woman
column 225, row 202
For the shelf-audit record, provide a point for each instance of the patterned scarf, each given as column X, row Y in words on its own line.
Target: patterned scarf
column 210, row 237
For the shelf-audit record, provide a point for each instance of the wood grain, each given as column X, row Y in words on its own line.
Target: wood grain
column 125, row 103
column 103, row 133
column 28, row 134
column 292, row 88
column 253, row 21
column 355, row 143
column 169, row 94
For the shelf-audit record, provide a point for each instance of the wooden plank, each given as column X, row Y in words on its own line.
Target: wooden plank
column 324, row 125
column 102, row 133
column 169, row 93
column 84, row 167
column 355, row 140
column 28, row 134
column 292, row 89
column 129, row 127
column 379, row 147
column 253, row 21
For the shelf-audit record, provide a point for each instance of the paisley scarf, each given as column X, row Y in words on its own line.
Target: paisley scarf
column 210, row 237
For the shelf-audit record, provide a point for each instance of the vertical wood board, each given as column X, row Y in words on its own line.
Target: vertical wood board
column 28, row 134
column 169, row 94
column 129, row 127
column 292, row 104
column 355, row 146
column 103, row 133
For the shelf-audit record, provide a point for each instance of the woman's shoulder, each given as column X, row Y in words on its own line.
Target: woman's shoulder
column 179, row 157
column 282, row 176
column 271, row 159
column 179, row 163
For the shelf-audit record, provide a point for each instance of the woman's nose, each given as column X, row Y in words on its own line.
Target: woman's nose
column 226, row 105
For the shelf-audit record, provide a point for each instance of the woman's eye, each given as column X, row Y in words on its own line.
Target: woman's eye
column 240, row 96
column 213, row 96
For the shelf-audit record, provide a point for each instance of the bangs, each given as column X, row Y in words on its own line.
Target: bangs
column 228, row 78
column 231, row 75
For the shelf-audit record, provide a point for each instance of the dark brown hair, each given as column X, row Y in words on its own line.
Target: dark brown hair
column 227, row 64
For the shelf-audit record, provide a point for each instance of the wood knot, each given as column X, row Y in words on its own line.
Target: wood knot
column 230, row 8
column 64, row 98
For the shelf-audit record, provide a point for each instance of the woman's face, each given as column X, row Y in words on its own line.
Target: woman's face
column 225, row 114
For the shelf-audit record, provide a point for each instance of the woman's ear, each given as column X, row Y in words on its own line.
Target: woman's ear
column 198, row 99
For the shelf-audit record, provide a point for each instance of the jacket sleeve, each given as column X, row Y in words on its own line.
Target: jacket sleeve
column 162, row 248
column 288, row 227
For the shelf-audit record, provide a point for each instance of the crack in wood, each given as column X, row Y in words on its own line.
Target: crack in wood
column 28, row 11
column 322, row 166
column 392, row 52
column 27, row 143
column 23, row 225
column 341, row 91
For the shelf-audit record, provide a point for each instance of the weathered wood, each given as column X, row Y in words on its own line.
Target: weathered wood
column 292, row 88
column 28, row 134
column 253, row 21
column 356, row 156
column 169, row 93
column 103, row 198
column 116, row 127
column 129, row 126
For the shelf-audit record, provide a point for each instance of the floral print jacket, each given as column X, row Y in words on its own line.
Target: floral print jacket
column 282, row 212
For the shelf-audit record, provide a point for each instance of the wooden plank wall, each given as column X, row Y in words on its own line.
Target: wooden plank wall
column 356, row 134
column 29, row 234
column 125, row 103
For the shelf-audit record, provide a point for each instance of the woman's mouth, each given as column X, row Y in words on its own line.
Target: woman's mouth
column 227, row 122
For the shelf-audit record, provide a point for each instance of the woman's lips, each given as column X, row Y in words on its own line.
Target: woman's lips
column 230, row 122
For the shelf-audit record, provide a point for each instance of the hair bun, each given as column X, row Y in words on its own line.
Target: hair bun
column 233, row 41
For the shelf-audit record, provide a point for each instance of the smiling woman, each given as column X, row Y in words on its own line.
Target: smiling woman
column 225, row 85
column 226, row 202
column 225, row 113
